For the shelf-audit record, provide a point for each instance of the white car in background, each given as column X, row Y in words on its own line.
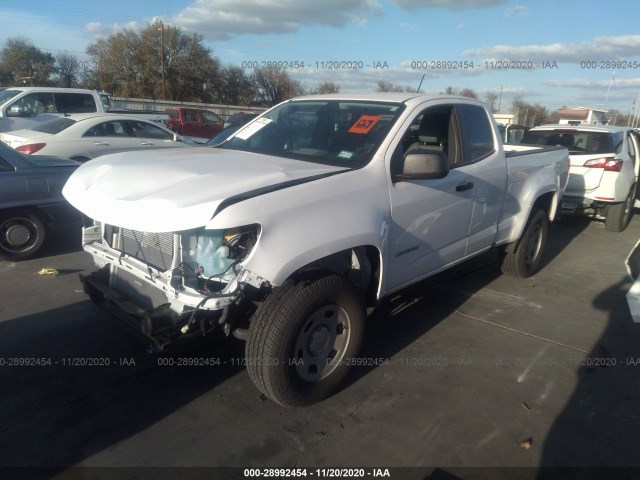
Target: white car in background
column 85, row 136
column 604, row 169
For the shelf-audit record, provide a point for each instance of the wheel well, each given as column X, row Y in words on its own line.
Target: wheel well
column 548, row 203
column 44, row 216
column 361, row 265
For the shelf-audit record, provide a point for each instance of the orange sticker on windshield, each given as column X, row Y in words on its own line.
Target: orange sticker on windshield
column 364, row 124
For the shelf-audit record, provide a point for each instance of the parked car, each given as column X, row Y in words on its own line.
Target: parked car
column 83, row 137
column 30, row 200
column 194, row 123
column 311, row 213
column 239, row 118
column 604, row 169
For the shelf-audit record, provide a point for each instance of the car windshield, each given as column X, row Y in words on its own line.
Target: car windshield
column 8, row 94
column 578, row 142
column 53, row 126
column 332, row 132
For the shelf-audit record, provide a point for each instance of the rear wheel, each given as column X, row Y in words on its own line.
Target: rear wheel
column 524, row 257
column 619, row 215
column 303, row 338
column 22, row 234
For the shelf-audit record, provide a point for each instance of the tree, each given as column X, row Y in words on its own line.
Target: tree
column 465, row 92
column 327, row 87
column 273, row 85
column 491, row 98
column 22, row 63
column 236, row 88
column 387, row 86
column 129, row 64
column 528, row 114
column 68, row 69
column 468, row 92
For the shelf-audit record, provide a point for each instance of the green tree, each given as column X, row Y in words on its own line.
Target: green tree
column 236, row 88
column 22, row 63
column 129, row 64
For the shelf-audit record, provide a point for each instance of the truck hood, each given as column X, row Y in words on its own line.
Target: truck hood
column 168, row 191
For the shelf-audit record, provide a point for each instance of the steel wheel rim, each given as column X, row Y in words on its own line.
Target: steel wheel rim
column 534, row 244
column 322, row 343
column 18, row 235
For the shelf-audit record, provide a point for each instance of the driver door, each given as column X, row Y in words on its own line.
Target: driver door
column 430, row 219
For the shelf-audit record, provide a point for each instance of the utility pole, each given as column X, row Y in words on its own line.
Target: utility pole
column 500, row 100
column 164, row 93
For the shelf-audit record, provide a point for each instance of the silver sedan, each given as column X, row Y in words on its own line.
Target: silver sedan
column 85, row 136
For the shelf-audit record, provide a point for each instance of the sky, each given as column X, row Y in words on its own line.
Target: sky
column 556, row 53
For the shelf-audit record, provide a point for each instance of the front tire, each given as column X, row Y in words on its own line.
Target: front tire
column 303, row 338
column 523, row 258
column 22, row 234
column 619, row 215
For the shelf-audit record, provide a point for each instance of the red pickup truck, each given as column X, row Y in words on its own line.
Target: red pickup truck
column 193, row 122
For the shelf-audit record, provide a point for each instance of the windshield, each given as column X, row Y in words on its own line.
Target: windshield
column 333, row 132
column 578, row 142
column 53, row 126
column 8, row 94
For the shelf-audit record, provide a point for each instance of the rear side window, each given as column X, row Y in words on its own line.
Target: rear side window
column 147, row 130
column 75, row 103
column 190, row 116
column 577, row 141
column 210, row 117
column 478, row 130
column 6, row 166
column 113, row 128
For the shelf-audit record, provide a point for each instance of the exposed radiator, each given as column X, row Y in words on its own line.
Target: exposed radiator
column 156, row 249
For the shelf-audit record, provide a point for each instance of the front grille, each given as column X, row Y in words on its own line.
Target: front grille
column 155, row 249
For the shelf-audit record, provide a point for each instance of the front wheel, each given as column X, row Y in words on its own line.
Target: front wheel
column 619, row 215
column 21, row 235
column 303, row 338
column 524, row 257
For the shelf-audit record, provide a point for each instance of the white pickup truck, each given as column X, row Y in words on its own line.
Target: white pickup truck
column 23, row 107
column 306, row 216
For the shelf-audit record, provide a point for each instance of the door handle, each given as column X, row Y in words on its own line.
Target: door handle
column 461, row 187
column 100, row 143
column 146, row 143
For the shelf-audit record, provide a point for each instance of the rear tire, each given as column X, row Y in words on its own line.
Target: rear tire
column 524, row 257
column 303, row 339
column 22, row 234
column 619, row 215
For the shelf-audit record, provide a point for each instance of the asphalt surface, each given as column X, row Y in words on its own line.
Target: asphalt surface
column 474, row 369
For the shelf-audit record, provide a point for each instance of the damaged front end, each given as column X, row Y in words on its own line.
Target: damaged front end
column 166, row 285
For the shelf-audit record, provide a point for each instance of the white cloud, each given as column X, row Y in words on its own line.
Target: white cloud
column 517, row 10
column 629, row 83
column 447, row 4
column 96, row 29
column 600, row 48
column 223, row 19
column 460, row 26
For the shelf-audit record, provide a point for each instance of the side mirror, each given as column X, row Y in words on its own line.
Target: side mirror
column 423, row 164
column 17, row 111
